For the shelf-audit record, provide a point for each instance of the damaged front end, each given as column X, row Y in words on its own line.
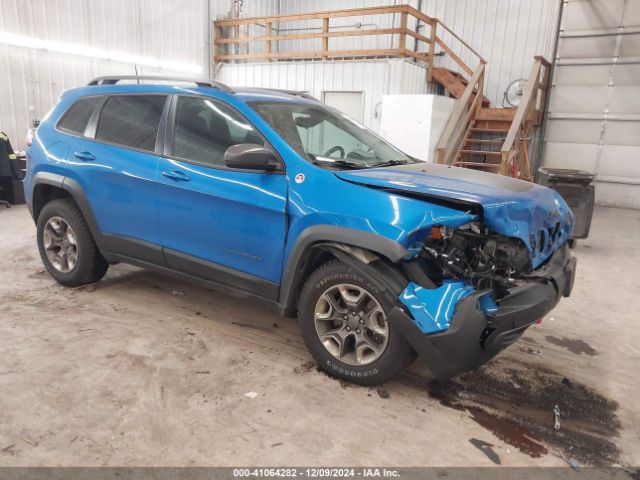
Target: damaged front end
column 487, row 256
column 473, row 292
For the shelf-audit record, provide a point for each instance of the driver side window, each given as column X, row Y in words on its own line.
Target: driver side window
column 324, row 136
column 204, row 129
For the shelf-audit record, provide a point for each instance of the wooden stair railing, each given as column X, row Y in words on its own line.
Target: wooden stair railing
column 530, row 113
column 474, row 129
column 229, row 39
column 461, row 119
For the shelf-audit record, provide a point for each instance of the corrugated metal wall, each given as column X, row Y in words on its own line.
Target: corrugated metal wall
column 32, row 80
column 373, row 78
column 594, row 111
column 507, row 32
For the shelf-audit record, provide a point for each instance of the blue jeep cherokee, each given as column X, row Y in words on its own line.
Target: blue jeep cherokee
column 379, row 256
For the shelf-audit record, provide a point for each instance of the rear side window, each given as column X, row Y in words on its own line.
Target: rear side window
column 75, row 119
column 131, row 120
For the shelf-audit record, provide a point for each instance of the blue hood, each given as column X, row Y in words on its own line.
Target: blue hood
column 536, row 215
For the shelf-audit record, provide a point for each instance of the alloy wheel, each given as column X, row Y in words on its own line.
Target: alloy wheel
column 351, row 324
column 60, row 244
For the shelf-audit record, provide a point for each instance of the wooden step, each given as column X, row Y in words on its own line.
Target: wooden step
column 498, row 114
column 477, row 140
column 449, row 81
column 454, row 83
column 476, row 164
column 489, row 130
column 496, row 124
column 480, row 152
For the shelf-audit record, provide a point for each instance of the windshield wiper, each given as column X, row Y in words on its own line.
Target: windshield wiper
column 323, row 162
column 390, row 163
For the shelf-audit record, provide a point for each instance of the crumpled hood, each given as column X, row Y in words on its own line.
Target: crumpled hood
column 537, row 215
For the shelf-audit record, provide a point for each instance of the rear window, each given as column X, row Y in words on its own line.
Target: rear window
column 75, row 119
column 131, row 120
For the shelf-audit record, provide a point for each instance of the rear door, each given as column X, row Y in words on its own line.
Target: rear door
column 118, row 168
column 218, row 223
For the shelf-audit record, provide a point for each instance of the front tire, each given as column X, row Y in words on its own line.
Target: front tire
column 343, row 319
column 66, row 246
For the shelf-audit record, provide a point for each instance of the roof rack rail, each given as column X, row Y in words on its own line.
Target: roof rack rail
column 112, row 80
column 297, row 93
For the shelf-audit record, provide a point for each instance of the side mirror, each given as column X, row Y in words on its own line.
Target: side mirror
column 251, row 156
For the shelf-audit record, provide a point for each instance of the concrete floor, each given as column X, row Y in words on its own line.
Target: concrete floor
column 146, row 370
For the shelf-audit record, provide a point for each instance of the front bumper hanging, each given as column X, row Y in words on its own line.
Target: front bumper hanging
column 476, row 334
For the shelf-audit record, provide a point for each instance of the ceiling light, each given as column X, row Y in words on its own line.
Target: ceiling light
column 95, row 53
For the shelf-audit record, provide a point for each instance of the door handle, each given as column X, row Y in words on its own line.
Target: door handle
column 84, row 156
column 176, row 175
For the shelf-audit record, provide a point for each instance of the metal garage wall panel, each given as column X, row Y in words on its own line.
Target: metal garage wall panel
column 592, row 14
column 623, row 133
column 627, row 74
column 630, row 45
column 632, row 14
column 578, row 99
column 582, row 74
column 620, row 161
column 581, row 156
column 596, row 88
column 574, row 131
column 615, row 194
column 586, row 47
column 625, row 99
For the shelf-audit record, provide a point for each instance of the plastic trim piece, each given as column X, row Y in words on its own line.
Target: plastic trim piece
column 328, row 233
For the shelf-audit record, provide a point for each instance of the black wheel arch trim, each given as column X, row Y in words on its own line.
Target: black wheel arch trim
column 77, row 194
column 322, row 234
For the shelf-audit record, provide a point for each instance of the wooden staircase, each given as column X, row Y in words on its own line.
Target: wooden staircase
column 480, row 137
column 480, row 148
column 476, row 135
column 453, row 82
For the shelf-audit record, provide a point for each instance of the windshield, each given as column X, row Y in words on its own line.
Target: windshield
column 327, row 137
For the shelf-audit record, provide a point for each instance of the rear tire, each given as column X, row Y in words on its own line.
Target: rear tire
column 66, row 246
column 343, row 321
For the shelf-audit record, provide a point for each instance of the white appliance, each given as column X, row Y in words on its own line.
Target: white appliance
column 414, row 123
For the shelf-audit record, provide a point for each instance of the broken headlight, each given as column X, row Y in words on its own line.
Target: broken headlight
column 472, row 252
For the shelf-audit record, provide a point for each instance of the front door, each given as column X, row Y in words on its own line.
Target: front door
column 218, row 223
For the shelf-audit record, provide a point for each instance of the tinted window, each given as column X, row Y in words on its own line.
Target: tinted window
column 205, row 129
column 76, row 118
column 131, row 120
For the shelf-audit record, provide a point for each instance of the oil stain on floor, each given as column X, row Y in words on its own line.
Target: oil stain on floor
column 573, row 345
column 516, row 401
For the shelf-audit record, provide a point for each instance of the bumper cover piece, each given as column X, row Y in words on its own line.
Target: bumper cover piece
column 433, row 309
column 477, row 334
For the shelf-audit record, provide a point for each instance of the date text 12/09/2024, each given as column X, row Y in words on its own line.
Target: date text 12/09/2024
column 316, row 472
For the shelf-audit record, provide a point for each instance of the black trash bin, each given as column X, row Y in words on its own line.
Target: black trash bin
column 575, row 186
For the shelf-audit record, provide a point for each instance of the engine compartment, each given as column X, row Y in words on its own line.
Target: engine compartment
column 474, row 253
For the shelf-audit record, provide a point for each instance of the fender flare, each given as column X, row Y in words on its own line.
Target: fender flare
column 377, row 244
column 77, row 194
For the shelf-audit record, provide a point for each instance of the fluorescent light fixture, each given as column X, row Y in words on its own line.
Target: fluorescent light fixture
column 95, row 53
